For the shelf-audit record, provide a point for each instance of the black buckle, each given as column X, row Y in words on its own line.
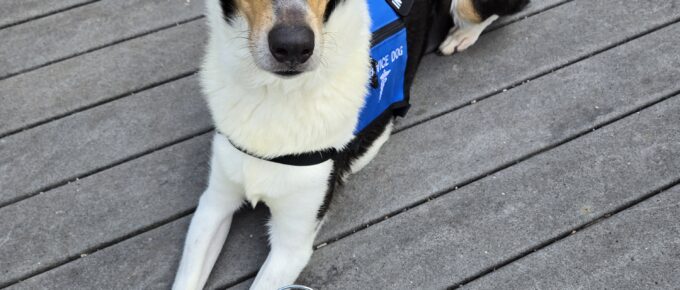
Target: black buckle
column 374, row 74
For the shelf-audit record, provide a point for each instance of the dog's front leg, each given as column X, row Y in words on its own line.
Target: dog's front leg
column 461, row 38
column 209, row 228
column 293, row 227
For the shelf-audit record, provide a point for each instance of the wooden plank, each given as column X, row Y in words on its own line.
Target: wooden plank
column 140, row 271
column 78, row 218
column 537, row 45
column 63, row 35
column 75, row 84
column 14, row 12
column 534, row 7
column 636, row 249
column 508, row 214
column 60, row 151
column 447, row 151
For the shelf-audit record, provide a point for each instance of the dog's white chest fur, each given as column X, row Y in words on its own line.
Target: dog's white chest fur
column 267, row 181
column 278, row 119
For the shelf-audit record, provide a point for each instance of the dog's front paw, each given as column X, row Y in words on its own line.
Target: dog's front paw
column 459, row 40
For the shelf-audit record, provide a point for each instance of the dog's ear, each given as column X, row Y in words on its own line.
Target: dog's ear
column 259, row 13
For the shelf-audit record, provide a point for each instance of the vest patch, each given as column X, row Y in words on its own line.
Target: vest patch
column 389, row 55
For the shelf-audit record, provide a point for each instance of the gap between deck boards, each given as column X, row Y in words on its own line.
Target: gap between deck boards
column 537, row 75
column 566, row 234
column 47, row 14
column 23, row 71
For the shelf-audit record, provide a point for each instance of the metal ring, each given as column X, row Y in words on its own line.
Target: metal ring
column 295, row 287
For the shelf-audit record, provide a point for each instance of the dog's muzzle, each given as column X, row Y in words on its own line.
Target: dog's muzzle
column 292, row 46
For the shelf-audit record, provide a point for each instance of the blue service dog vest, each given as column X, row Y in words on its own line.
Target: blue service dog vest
column 389, row 57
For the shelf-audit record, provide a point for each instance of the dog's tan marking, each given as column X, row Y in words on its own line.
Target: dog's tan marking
column 259, row 13
column 466, row 11
column 318, row 8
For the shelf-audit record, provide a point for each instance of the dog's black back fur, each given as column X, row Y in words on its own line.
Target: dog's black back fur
column 424, row 15
column 486, row 8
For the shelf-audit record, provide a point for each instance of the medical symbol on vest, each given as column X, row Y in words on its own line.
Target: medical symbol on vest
column 397, row 3
column 381, row 68
column 383, row 81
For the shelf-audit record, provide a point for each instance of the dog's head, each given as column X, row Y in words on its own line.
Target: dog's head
column 284, row 37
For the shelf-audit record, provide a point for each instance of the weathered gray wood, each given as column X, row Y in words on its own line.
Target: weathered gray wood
column 77, row 218
column 149, row 261
column 87, row 141
column 636, row 249
column 66, row 34
column 58, row 89
column 465, row 232
column 535, row 6
column 538, row 44
column 452, row 149
column 17, row 11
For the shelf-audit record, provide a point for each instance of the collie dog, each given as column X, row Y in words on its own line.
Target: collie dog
column 285, row 81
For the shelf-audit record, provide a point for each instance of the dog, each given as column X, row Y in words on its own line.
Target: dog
column 285, row 82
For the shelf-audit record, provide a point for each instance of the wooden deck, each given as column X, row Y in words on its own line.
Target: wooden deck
column 547, row 156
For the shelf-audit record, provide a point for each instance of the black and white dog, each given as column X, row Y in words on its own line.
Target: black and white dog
column 286, row 77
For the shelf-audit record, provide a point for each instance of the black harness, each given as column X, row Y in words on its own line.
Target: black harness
column 302, row 159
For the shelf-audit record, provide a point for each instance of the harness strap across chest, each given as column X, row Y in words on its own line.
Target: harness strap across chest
column 302, row 159
column 387, row 91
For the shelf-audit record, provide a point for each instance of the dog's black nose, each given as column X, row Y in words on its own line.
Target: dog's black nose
column 291, row 45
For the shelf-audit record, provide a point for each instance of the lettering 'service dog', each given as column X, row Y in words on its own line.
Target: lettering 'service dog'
column 286, row 81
